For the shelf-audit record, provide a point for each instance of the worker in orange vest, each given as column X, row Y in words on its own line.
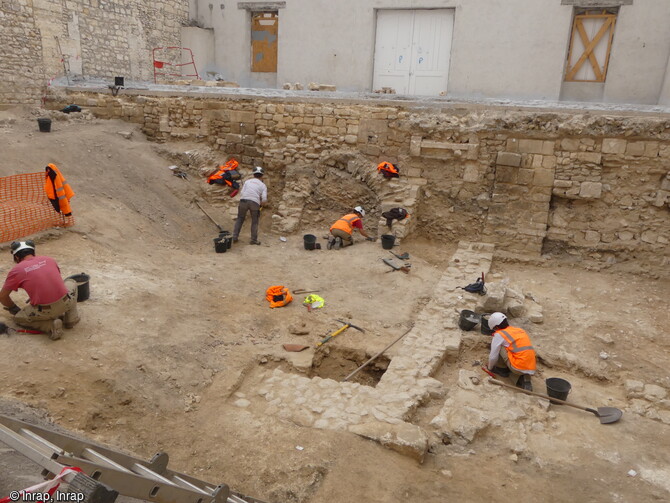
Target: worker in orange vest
column 343, row 229
column 518, row 356
column 227, row 174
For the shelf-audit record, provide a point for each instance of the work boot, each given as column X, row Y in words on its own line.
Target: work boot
column 524, row 383
column 252, row 242
column 337, row 244
column 331, row 242
column 56, row 330
column 235, row 240
column 501, row 371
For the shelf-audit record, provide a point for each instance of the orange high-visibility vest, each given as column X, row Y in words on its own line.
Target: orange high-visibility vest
column 388, row 169
column 520, row 351
column 58, row 190
column 345, row 223
column 229, row 166
column 278, row 296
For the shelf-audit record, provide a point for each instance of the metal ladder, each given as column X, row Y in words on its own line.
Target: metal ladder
column 150, row 481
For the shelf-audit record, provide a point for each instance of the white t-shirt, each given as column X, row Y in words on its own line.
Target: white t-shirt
column 254, row 190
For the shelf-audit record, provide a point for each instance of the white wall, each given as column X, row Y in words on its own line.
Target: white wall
column 201, row 43
column 640, row 50
column 508, row 49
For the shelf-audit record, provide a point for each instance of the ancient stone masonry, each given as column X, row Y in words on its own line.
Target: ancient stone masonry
column 20, row 64
column 44, row 39
column 382, row 413
column 529, row 182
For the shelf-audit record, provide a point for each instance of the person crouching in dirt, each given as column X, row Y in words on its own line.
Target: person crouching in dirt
column 227, row 174
column 518, row 356
column 52, row 301
column 253, row 196
column 343, row 229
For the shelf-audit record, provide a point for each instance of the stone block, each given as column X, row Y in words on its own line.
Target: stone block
column 471, row 174
column 543, row 178
column 570, row 144
column 563, row 184
column 405, row 438
column 635, row 148
column 590, row 157
column 415, row 146
column 525, row 176
column 350, row 139
column 665, row 182
column 512, row 145
column 649, row 237
column 591, row 237
column 590, row 190
column 506, row 174
column 531, row 146
column 537, row 161
column 614, row 146
column 549, row 161
column 508, row 159
column 651, row 149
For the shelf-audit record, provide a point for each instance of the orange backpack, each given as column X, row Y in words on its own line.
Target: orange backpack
column 278, row 296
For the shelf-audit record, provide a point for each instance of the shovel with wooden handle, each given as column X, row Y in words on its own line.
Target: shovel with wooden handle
column 605, row 414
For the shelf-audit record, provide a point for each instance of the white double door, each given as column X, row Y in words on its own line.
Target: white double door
column 412, row 50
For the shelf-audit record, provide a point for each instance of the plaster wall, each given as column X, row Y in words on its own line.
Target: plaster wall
column 505, row 49
column 640, row 51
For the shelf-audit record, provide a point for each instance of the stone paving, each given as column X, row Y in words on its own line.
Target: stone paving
column 382, row 412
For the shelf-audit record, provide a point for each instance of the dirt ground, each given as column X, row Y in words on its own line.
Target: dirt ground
column 173, row 334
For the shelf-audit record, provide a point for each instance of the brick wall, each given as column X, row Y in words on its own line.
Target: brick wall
column 524, row 180
column 96, row 38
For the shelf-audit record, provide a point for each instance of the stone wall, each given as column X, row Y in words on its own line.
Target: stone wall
column 90, row 38
column 527, row 181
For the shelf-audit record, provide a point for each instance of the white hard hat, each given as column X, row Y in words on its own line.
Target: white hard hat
column 18, row 246
column 258, row 171
column 359, row 209
column 496, row 319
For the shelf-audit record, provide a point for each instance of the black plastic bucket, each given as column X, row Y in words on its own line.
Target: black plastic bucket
column 468, row 320
column 484, row 327
column 558, row 388
column 83, row 291
column 310, row 241
column 220, row 245
column 388, row 240
column 45, row 125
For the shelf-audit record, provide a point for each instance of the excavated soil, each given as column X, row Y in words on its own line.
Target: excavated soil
column 173, row 331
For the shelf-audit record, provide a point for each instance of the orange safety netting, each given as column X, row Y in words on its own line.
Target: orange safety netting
column 25, row 208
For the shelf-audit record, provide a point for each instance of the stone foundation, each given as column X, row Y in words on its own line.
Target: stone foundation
column 527, row 181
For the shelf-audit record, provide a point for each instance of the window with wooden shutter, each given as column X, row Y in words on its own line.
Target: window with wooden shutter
column 590, row 45
column 264, row 31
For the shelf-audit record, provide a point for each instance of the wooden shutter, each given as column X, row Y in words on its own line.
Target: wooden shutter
column 595, row 48
column 264, row 31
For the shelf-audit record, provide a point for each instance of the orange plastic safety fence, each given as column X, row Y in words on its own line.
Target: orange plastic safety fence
column 25, row 208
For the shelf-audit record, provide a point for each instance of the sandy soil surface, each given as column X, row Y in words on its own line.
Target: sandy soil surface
column 172, row 331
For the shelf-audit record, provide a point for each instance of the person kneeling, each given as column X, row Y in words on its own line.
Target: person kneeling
column 518, row 356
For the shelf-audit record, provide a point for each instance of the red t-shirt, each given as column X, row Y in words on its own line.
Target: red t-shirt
column 39, row 277
column 358, row 224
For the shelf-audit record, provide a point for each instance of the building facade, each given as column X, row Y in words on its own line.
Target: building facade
column 612, row 51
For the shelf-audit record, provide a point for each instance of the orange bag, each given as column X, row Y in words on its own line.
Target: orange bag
column 278, row 296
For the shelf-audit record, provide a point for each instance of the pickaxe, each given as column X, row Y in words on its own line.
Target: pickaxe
column 339, row 331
